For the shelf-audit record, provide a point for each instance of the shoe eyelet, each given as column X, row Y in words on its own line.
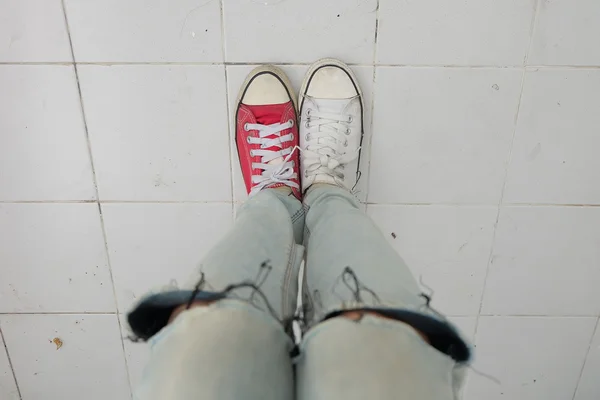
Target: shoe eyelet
column 251, row 153
column 246, row 127
column 291, row 121
column 348, row 131
column 350, row 119
column 306, row 174
column 248, row 139
column 306, row 125
column 346, row 143
column 307, row 137
column 308, row 111
column 292, row 136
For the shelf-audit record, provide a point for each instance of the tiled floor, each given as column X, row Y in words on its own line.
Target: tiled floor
column 117, row 171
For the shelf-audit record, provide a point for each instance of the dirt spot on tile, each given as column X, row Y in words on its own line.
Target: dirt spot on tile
column 57, row 342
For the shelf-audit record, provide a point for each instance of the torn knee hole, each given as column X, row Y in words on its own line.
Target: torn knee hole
column 183, row 307
column 357, row 315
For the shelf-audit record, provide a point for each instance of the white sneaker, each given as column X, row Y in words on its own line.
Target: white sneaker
column 331, row 125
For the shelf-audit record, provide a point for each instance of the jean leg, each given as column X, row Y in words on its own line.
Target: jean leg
column 268, row 228
column 227, row 350
column 236, row 346
column 350, row 266
column 339, row 235
column 374, row 358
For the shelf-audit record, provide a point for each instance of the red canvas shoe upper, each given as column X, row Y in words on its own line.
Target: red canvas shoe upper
column 266, row 136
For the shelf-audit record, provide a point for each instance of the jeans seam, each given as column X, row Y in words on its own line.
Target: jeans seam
column 297, row 215
column 287, row 279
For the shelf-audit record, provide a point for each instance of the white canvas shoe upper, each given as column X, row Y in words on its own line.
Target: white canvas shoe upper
column 330, row 126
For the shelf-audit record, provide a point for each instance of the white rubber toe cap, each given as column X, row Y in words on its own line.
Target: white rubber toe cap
column 331, row 83
column 265, row 88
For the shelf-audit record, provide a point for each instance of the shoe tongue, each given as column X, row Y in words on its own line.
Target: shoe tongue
column 336, row 106
column 266, row 115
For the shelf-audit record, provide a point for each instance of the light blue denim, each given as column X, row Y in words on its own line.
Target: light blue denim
column 239, row 346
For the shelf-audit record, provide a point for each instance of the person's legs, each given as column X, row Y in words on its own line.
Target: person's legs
column 226, row 334
column 233, row 347
column 371, row 333
column 384, row 353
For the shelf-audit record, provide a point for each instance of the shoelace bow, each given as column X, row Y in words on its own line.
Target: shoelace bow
column 272, row 173
column 328, row 133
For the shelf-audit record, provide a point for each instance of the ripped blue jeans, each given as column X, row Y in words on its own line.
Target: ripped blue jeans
column 240, row 346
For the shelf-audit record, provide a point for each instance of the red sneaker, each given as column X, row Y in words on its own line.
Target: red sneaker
column 266, row 131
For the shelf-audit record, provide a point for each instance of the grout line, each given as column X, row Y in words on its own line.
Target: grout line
column 222, row 16
column 503, row 205
column 229, row 139
column 227, row 110
column 134, row 63
column 48, row 201
column 36, row 63
column 372, row 109
column 108, row 260
column 376, row 33
column 587, row 355
column 229, row 144
column 506, row 169
column 532, row 26
column 60, row 313
column 254, row 63
column 164, row 202
column 102, row 225
column 370, row 138
column 10, row 364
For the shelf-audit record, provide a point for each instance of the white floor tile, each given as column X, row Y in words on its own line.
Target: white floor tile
column 90, row 362
column 299, row 31
column 8, row 387
column 454, row 32
column 545, row 262
column 555, row 158
column 43, row 150
column 151, row 245
column 533, row 358
column 446, row 247
column 589, row 385
column 137, row 354
column 158, row 132
column 145, row 31
column 33, row 30
column 566, row 33
column 53, row 259
column 235, row 78
column 442, row 135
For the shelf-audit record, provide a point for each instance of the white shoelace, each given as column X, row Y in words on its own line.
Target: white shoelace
column 326, row 141
column 273, row 173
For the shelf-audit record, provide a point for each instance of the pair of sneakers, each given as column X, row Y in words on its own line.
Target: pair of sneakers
column 276, row 148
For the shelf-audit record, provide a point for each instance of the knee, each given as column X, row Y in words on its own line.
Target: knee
column 357, row 315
